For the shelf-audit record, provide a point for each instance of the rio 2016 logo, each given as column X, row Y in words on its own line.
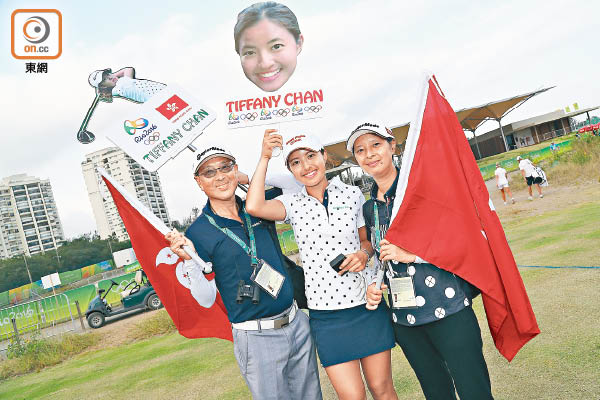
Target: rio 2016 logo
column 149, row 136
column 131, row 127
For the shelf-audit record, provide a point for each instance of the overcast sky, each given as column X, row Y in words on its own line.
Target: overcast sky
column 370, row 55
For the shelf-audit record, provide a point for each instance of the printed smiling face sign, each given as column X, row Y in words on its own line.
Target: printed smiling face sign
column 268, row 41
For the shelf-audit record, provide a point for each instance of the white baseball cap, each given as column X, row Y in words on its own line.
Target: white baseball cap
column 300, row 141
column 519, row 158
column 96, row 77
column 210, row 153
column 368, row 127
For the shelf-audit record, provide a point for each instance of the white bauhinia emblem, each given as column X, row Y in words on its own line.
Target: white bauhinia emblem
column 411, row 270
column 449, row 292
column 466, row 302
column 420, row 301
column 190, row 277
column 172, row 107
column 430, row 281
column 183, row 276
column 410, row 318
column 440, row 312
column 394, row 318
column 166, row 256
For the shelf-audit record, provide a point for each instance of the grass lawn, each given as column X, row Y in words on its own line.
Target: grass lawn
column 512, row 154
column 561, row 363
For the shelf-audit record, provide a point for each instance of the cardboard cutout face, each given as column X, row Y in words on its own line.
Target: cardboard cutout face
column 268, row 41
column 268, row 54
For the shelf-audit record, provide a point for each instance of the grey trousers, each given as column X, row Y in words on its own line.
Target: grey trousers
column 279, row 363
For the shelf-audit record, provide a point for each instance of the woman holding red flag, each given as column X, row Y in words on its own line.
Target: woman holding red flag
column 434, row 322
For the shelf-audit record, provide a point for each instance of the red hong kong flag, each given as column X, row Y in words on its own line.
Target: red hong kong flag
column 190, row 297
column 172, row 107
column 443, row 213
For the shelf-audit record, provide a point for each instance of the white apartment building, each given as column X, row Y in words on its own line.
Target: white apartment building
column 136, row 180
column 29, row 222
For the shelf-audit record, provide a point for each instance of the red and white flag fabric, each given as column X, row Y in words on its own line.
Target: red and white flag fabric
column 443, row 213
column 189, row 296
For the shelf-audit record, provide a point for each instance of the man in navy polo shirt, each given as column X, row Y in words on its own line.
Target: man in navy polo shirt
column 271, row 337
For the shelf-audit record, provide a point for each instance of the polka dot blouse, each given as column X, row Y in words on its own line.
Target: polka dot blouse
column 322, row 234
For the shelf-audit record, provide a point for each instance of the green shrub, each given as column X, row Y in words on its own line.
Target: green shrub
column 35, row 353
column 33, row 345
column 158, row 324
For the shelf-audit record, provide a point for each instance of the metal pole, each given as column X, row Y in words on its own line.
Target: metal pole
column 112, row 257
column 27, row 268
column 14, row 324
column 55, row 298
column 476, row 144
column 80, row 316
column 57, row 257
column 502, row 132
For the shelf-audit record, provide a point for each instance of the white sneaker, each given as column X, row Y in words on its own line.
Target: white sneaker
column 504, row 203
column 541, row 196
column 529, row 198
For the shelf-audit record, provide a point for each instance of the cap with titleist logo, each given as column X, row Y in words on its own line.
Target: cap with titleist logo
column 210, row 153
column 96, row 77
column 376, row 129
column 296, row 142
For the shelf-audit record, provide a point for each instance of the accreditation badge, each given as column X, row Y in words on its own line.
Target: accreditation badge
column 268, row 279
column 402, row 291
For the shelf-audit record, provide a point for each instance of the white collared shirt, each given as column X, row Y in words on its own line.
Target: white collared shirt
column 321, row 236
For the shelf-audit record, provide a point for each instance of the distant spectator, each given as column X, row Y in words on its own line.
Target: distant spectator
column 502, row 183
column 530, row 175
column 554, row 147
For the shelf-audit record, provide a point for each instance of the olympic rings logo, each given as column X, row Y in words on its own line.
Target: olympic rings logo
column 281, row 112
column 152, row 139
column 249, row 116
column 132, row 126
column 313, row 109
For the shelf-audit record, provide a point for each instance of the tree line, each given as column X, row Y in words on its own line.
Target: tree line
column 79, row 252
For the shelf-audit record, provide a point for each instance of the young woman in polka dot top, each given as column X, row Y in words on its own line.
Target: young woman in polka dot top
column 327, row 220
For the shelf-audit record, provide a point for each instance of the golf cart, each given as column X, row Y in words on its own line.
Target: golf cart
column 138, row 294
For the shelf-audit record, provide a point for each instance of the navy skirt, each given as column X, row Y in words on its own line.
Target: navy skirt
column 351, row 333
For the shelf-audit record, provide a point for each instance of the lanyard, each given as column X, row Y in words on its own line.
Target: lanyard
column 377, row 227
column 378, row 237
column 251, row 251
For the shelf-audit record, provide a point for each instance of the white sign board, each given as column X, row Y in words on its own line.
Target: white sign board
column 161, row 128
column 51, row 280
column 274, row 108
column 124, row 257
